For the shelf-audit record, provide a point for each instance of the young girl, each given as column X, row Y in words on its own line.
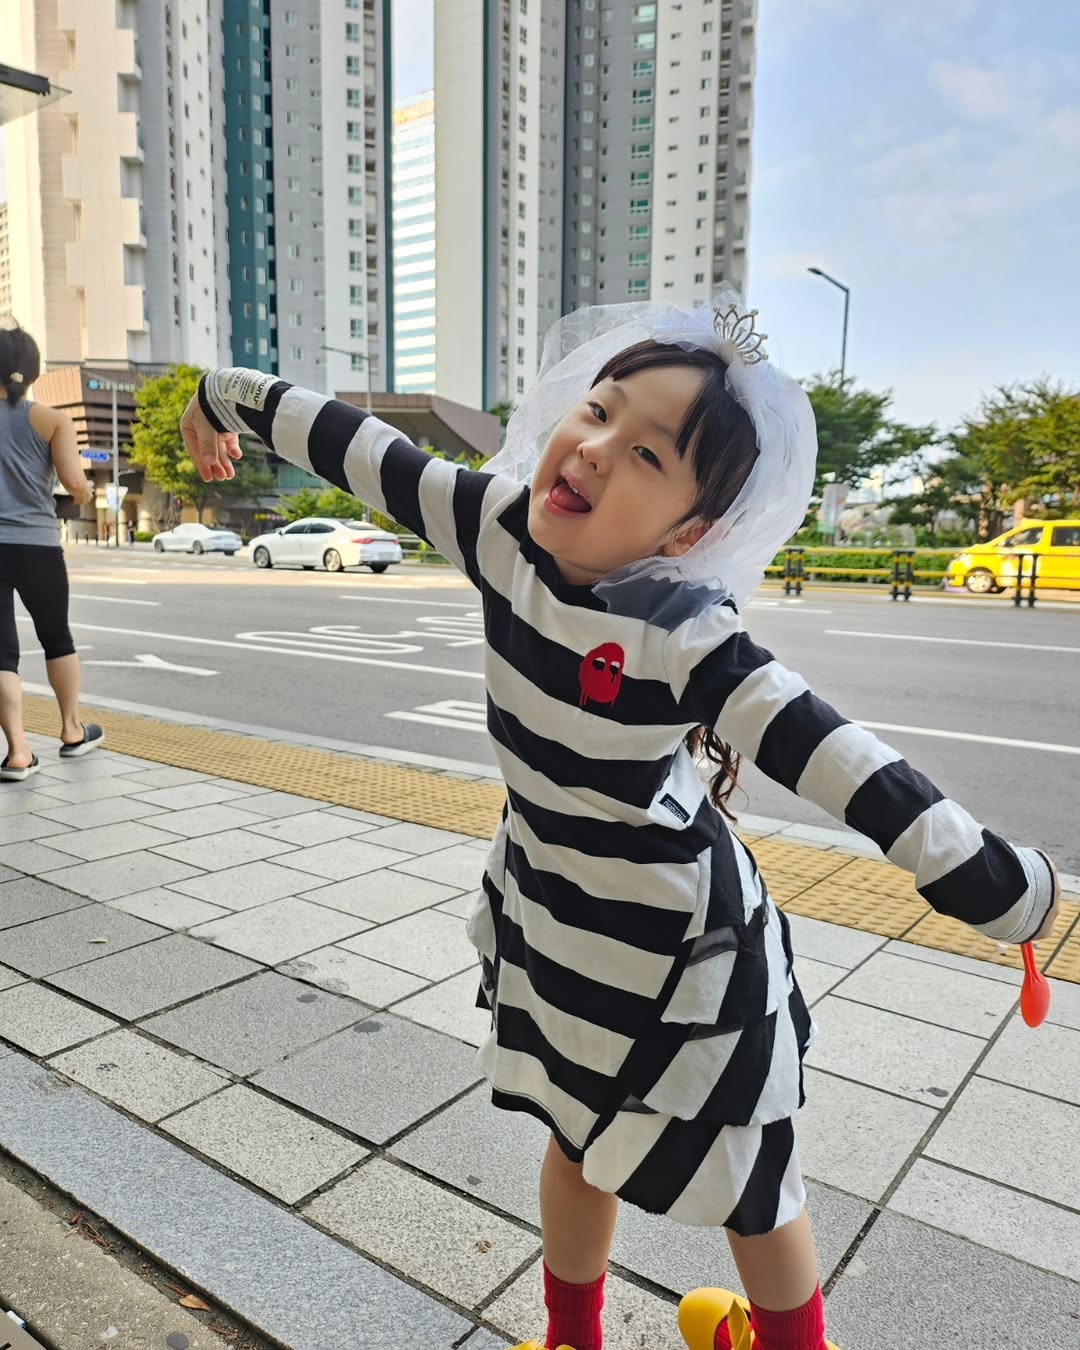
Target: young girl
column 638, row 972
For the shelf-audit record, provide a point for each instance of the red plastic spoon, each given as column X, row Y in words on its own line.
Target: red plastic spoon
column 1035, row 995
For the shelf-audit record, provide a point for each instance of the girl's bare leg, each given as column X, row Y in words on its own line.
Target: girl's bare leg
column 577, row 1220
column 778, row 1269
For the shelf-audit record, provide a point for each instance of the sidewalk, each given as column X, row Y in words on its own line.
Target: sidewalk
column 237, row 1024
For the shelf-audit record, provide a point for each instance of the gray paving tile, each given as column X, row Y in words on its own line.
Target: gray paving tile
column 428, row 944
column 908, row 1277
column 450, row 1007
column 166, row 776
column 231, row 848
column 1015, row 1137
column 830, row 943
column 278, row 1149
column 343, row 972
column 380, row 896
column 482, row 1339
column 191, row 794
column 459, row 866
column 278, row 804
column 16, row 829
column 80, row 791
column 993, row 1216
column 949, row 998
column 416, row 838
column 255, row 1023
column 633, row 1318
column 145, row 979
column 85, row 769
column 885, row 1050
column 248, row 789
column 986, row 969
column 1065, row 1004
column 280, row 930
column 436, row 1238
column 461, row 906
column 167, row 908
column 237, row 888
column 1047, row 1060
column 816, row 978
column 342, row 858
column 364, row 817
column 18, row 800
column 376, row 1078
column 109, row 878
column 89, row 815
column 310, row 828
column 12, row 977
column 681, row 1258
column 879, row 1133
column 199, row 821
column 42, row 1022
column 482, row 1151
column 146, row 1079
column 273, row 1269
column 27, row 899
column 69, row 939
column 106, row 841
column 31, row 858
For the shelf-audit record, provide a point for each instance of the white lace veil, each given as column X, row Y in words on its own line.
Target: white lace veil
column 731, row 557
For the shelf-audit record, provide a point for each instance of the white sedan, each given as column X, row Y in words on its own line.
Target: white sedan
column 333, row 544
column 198, row 539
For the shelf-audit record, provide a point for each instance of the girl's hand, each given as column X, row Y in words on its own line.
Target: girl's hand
column 212, row 451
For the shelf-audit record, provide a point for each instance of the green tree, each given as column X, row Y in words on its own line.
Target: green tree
column 297, row 505
column 855, row 433
column 158, row 448
column 952, row 484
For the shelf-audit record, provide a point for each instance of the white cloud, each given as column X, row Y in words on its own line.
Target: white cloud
column 982, row 94
column 786, row 266
column 1064, row 127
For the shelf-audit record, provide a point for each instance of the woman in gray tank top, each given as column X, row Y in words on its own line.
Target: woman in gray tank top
column 37, row 445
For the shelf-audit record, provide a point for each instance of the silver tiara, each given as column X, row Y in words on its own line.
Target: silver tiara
column 741, row 331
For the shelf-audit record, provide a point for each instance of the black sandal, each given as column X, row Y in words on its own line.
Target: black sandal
column 10, row 775
column 93, row 736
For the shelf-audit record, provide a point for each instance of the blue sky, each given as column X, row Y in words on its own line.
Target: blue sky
column 926, row 154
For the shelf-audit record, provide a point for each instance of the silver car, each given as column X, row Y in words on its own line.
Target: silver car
column 198, row 539
column 319, row 541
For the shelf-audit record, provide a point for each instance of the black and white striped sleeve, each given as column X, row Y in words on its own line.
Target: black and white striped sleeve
column 769, row 714
column 443, row 503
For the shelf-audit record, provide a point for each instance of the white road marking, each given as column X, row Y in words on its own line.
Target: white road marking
column 152, row 663
column 281, row 651
column 951, row 641
column 400, row 600
column 450, row 712
column 971, row 736
column 113, row 599
column 801, row 605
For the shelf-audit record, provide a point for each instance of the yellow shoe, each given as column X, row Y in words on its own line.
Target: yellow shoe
column 702, row 1311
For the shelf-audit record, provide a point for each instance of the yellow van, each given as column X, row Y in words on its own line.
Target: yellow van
column 988, row 568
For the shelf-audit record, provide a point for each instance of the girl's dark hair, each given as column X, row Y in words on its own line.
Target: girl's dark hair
column 718, row 432
column 20, row 363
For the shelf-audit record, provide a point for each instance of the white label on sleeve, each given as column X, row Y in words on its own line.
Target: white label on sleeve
column 249, row 388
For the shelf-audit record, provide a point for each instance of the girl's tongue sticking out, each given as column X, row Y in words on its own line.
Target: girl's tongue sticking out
column 564, row 496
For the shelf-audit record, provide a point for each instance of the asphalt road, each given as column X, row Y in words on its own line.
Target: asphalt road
column 983, row 698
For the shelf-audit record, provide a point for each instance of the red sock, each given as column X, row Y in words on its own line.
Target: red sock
column 800, row 1329
column 573, row 1313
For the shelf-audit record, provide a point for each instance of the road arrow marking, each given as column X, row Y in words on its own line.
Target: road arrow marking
column 154, row 663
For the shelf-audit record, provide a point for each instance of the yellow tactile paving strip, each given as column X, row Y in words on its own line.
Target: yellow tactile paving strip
column 817, row 883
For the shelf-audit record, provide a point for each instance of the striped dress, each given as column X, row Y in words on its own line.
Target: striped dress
column 639, row 975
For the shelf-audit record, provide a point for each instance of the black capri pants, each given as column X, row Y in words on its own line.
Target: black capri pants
column 38, row 574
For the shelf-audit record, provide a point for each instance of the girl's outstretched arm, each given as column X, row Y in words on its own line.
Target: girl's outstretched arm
column 443, row 503
column 770, row 715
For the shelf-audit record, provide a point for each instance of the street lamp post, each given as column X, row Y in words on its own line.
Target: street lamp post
column 354, row 356
column 847, row 304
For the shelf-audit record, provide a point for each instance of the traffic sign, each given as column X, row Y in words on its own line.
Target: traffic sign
column 97, row 456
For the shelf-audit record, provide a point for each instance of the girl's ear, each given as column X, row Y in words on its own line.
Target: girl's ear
column 687, row 537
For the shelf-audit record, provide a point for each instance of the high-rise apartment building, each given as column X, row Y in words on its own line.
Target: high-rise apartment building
column 215, row 187
column 111, row 190
column 603, row 156
column 414, row 244
column 5, row 263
